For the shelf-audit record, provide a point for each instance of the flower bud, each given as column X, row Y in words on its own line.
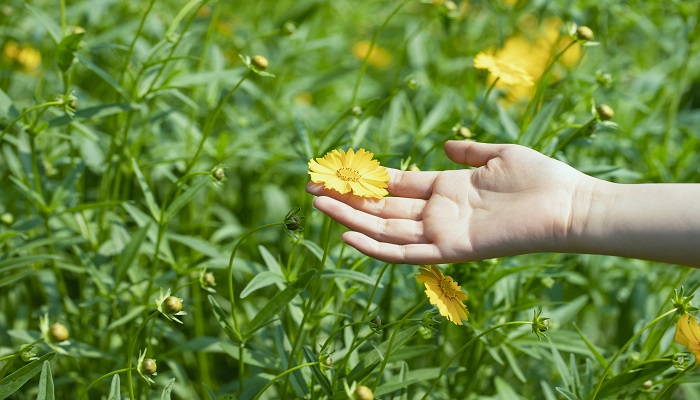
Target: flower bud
column 356, row 111
column 584, row 33
column 209, row 279
column 605, row 112
column 464, row 132
column 173, row 304
column 7, row 219
column 413, row 167
column 260, row 62
column 648, row 384
column 293, row 223
column 58, row 332
column 219, row 174
column 149, row 366
column 289, row 28
column 363, row 393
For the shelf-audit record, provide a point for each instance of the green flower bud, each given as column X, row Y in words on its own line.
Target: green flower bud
column 363, row 393
column 58, row 332
column 260, row 62
column 605, row 112
column 149, row 366
column 584, row 33
column 173, row 304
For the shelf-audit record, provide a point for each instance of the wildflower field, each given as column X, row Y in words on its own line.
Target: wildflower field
column 157, row 240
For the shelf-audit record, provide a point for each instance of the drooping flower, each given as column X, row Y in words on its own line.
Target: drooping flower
column 350, row 172
column 688, row 335
column 506, row 72
column 444, row 293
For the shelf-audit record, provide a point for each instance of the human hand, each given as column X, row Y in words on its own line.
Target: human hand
column 516, row 201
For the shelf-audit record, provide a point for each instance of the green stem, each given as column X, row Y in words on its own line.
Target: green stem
column 669, row 385
column 365, row 313
column 107, row 375
column 309, row 302
column 569, row 138
column 63, row 18
column 483, row 103
column 131, row 352
column 538, row 90
column 623, row 348
column 26, row 112
column 13, row 355
column 363, row 69
column 464, row 347
column 232, row 299
column 127, row 58
column 289, row 371
column 212, row 119
column 385, row 360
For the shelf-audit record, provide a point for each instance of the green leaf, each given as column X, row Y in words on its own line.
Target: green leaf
column 150, row 200
column 11, row 279
column 131, row 315
column 222, row 317
column 18, row 262
column 633, row 377
column 322, row 379
column 167, row 390
column 95, row 112
column 599, row 357
column 539, row 124
column 349, row 274
column 261, row 280
column 184, row 198
column 45, row 383
column 115, row 389
column 7, row 107
column 418, row 375
column 66, row 186
column 67, row 48
column 278, row 303
column 14, row 381
column 31, row 195
column 509, row 127
column 104, row 75
column 129, row 254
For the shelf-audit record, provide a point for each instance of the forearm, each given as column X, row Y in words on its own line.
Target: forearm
column 659, row 222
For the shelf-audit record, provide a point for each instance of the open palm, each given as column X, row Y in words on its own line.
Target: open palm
column 517, row 201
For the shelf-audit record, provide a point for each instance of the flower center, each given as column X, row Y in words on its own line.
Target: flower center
column 347, row 174
column 447, row 289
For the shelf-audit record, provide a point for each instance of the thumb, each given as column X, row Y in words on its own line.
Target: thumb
column 471, row 153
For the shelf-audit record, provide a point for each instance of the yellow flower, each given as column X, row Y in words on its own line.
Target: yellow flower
column 350, row 172
column 379, row 57
column 444, row 293
column 506, row 72
column 688, row 335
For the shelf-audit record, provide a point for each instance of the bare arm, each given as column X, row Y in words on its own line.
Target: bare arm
column 516, row 201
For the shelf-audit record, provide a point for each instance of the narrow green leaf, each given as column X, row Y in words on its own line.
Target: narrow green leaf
column 539, row 124
column 418, row 375
column 97, row 277
column 599, row 357
column 91, row 113
column 31, row 195
column 14, row 381
column 45, row 383
column 115, row 389
column 66, row 186
column 129, row 254
column 322, row 379
column 278, row 303
column 633, row 377
column 131, row 315
column 513, row 364
column 7, row 107
column 17, row 262
column 509, row 127
column 184, row 198
column 104, row 75
column 167, row 390
column 559, row 363
column 261, row 280
column 150, row 200
column 270, row 261
column 349, row 274
column 222, row 317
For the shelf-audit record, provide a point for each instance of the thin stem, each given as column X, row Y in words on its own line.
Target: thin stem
column 391, row 342
column 107, row 375
column 127, row 58
column 573, row 135
column 483, row 103
column 363, row 69
column 26, row 112
column 289, row 371
column 212, row 119
column 63, row 18
column 623, row 348
column 464, row 347
column 131, row 352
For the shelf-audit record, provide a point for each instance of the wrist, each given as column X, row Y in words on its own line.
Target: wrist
column 589, row 206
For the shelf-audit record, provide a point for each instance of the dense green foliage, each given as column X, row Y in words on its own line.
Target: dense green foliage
column 113, row 133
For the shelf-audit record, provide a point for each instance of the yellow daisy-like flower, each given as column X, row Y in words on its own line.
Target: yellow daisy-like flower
column 379, row 57
column 444, row 293
column 350, row 172
column 508, row 73
column 688, row 335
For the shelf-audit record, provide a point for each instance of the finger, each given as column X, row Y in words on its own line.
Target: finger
column 413, row 184
column 387, row 207
column 398, row 231
column 388, row 252
column 471, row 153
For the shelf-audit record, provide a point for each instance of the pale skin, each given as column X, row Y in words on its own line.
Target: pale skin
column 516, row 201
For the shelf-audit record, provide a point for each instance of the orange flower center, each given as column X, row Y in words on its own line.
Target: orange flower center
column 348, row 174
